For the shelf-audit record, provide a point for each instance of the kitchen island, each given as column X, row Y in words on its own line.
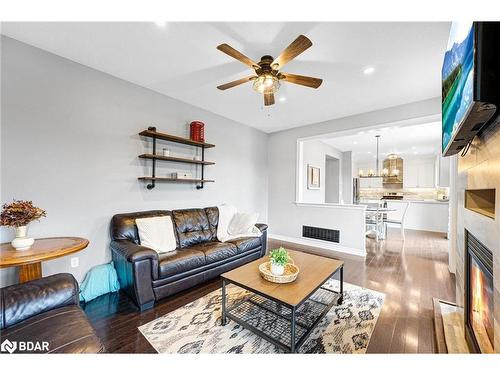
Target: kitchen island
column 423, row 214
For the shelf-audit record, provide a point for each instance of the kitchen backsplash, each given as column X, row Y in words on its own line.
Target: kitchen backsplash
column 408, row 193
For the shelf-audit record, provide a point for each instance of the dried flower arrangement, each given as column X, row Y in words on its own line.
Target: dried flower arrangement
column 20, row 213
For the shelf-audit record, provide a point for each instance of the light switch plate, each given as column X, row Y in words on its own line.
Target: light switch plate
column 75, row 262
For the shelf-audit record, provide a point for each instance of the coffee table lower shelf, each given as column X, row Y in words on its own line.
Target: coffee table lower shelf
column 285, row 326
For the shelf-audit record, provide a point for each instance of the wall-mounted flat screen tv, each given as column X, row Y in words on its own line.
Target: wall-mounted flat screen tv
column 470, row 82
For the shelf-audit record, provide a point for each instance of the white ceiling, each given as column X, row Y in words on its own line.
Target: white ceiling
column 180, row 60
column 410, row 141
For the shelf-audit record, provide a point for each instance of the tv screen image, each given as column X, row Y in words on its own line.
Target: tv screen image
column 457, row 79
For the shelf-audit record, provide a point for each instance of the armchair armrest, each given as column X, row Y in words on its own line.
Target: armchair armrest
column 262, row 227
column 136, row 266
column 22, row 301
column 133, row 252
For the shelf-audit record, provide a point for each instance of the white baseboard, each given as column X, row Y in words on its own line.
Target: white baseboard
column 320, row 244
column 417, row 228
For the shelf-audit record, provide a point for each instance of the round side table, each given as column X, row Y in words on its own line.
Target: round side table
column 30, row 261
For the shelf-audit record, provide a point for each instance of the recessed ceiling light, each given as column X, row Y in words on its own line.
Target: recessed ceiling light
column 368, row 70
column 415, row 152
column 413, row 148
column 355, row 142
column 369, row 152
column 161, row 24
column 282, row 99
column 362, row 132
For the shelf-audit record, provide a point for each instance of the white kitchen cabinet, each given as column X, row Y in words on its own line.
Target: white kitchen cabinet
column 370, row 182
column 418, row 173
column 426, row 174
column 442, row 171
column 410, row 174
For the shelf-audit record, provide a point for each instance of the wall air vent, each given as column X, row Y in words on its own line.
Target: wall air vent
column 331, row 235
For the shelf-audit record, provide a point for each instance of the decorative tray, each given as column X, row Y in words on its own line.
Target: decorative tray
column 290, row 274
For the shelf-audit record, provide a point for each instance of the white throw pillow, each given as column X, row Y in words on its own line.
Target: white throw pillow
column 157, row 233
column 226, row 213
column 242, row 223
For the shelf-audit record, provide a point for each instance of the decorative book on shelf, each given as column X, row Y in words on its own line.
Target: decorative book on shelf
column 154, row 135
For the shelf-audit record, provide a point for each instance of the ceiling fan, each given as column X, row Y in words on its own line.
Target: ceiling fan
column 267, row 72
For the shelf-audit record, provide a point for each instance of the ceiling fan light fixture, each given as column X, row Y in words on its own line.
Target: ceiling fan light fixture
column 266, row 84
column 266, row 80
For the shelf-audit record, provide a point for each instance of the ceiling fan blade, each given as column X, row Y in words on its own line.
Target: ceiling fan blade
column 295, row 48
column 228, row 50
column 268, row 98
column 236, row 83
column 301, row 80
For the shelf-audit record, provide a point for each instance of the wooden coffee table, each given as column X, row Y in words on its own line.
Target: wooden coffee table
column 284, row 314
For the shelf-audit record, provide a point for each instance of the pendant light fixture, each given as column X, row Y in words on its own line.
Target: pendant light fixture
column 391, row 170
column 374, row 172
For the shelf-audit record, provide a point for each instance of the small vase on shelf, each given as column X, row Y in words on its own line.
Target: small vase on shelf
column 22, row 241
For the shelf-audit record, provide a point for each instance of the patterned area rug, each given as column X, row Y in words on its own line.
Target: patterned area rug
column 196, row 327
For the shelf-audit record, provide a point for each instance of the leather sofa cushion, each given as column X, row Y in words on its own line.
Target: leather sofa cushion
column 216, row 251
column 192, row 227
column 179, row 261
column 246, row 244
column 213, row 220
column 66, row 329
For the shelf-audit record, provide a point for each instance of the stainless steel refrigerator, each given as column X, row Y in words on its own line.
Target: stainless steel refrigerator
column 355, row 190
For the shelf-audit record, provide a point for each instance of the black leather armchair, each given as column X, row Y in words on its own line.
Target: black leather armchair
column 47, row 311
column 147, row 276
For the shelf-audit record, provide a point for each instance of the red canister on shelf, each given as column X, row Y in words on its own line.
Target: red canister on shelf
column 197, row 131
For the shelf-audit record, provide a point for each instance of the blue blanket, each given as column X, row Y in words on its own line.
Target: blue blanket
column 99, row 280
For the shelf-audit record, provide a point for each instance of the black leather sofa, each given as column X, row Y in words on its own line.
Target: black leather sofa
column 46, row 310
column 147, row 276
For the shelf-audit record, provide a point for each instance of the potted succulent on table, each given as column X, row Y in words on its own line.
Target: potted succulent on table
column 279, row 259
column 18, row 215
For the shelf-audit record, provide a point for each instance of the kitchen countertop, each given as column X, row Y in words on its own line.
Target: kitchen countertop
column 429, row 201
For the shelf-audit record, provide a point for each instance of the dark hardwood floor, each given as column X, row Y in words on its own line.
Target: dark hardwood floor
column 410, row 274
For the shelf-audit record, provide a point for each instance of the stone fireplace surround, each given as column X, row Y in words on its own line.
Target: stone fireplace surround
column 480, row 169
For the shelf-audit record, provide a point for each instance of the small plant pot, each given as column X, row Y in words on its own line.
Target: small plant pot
column 277, row 269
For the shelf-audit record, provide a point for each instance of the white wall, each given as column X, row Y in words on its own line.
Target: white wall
column 333, row 181
column 346, row 173
column 314, row 153
column 283, row 151
column 348, row 219
column 70, row 144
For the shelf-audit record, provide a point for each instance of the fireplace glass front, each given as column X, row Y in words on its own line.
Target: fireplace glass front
column 479, row 301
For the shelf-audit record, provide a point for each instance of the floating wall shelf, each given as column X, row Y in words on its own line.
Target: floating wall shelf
column 154, row 135
column 175, row 180
column 175, row 159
